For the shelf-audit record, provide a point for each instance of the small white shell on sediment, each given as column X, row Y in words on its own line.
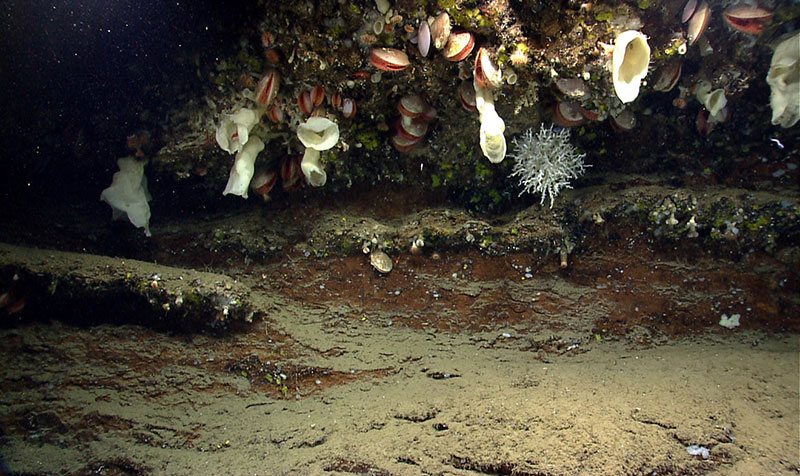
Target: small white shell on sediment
column 380, row 261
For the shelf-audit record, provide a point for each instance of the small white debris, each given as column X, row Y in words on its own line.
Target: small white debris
column 729, row 322
column 777, row 142
column 696, row 450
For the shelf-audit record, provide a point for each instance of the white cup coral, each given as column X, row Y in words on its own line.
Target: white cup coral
column 234, row 130
column 317, row 134
column 714, row 101
column 629, row 61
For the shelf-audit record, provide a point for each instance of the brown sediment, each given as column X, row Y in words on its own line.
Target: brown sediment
column 322, row 363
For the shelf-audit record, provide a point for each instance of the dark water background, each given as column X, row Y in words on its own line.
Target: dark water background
column 79, row 76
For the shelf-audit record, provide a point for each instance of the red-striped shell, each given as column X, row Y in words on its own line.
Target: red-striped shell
column 466, row 93
column 411, row 129
column 703, row 125
column 688, row 10
column 412, row 105
column 572, row 87
column 485, row 72
column 336, row 100
column 667, row 76
column 404, row 145
column 291, row 175
column 388, row 59
column 305, row 103
column 267, row 88
column 275, row 113
column 424, row 38
column 747, row 19
column 567, row 114
column 267, row 39
column 589, row 114
column 317, row 95
column 429, row 114
column 263, row 181
column 623, row 122
column 459, row 46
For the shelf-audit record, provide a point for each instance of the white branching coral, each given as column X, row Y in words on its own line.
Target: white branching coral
column 546, row 162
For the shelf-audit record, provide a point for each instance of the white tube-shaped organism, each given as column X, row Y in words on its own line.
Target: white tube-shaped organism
column 244, row 168
column 312, row 168
column 317, row 134
column 492, row 140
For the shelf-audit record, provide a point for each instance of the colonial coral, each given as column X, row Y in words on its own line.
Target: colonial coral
column 546, row 162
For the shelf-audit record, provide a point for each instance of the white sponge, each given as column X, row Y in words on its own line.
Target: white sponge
column 128, row 193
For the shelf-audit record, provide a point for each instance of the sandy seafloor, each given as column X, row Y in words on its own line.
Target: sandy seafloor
column 393, row 400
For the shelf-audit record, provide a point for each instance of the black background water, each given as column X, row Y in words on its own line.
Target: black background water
column 79, row 76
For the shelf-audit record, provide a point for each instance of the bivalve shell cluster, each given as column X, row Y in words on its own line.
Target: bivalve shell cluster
column 410, row 129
